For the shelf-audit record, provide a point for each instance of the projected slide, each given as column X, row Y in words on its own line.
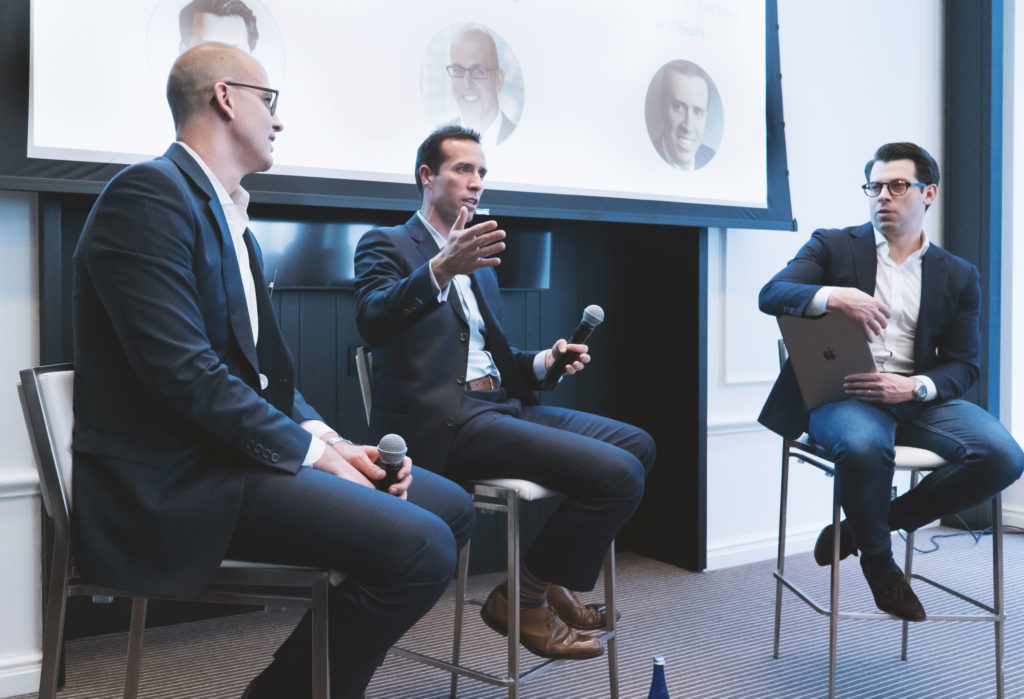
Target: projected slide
column 660, row 100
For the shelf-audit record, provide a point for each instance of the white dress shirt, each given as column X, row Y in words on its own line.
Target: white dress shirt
column 899, row 287
column 480, row 363
column 235, row 207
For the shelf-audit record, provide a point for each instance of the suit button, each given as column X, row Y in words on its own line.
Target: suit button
column 463, row 337
column 460, row 380
column 274, row 458
column 257, row 447
column 248, row 444
column 266, row 453
column 450, row 422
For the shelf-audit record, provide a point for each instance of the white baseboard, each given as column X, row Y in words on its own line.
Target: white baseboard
column 738, row 551
column 19, row 674
column 1013, row 517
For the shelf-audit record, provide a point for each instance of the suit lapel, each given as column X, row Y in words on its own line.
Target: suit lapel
column 934, row 278
column 238, row 311
column 426, row 246
column 865, row 258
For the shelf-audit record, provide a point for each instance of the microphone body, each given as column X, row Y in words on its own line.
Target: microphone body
column 593, row 316
column 391, row 450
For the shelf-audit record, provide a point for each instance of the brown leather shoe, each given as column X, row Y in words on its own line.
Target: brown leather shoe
column 572, row 611
column 540, row 630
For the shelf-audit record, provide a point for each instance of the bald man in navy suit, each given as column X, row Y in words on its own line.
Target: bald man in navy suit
column 191, row 442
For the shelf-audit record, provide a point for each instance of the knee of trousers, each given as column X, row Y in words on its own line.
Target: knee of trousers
column 628, row 488
column 644, row 449
column 1005, row 465
column 863, row 462
column 423, row 556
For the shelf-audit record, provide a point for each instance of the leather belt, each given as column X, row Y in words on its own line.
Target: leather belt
column 484, row 383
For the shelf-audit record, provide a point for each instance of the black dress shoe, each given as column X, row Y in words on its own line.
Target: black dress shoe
column 823, row 546
column 893, row 595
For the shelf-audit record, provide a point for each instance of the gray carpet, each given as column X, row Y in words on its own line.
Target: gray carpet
column 714, row 629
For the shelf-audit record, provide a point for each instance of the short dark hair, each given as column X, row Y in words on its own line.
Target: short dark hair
column 926, row 170
column 429, row 152
column 221, row 8
column 683, row 67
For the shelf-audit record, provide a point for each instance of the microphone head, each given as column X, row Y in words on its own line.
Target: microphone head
column 391, row 449
column 593, row 315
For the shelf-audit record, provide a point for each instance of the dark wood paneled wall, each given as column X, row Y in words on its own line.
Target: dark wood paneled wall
column 649, row 362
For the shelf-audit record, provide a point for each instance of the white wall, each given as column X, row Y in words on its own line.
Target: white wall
column 854, row 76
column 1013, row 256
column 20, row 632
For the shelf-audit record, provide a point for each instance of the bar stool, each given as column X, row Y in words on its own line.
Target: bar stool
column 915, row 461
column 501, row 495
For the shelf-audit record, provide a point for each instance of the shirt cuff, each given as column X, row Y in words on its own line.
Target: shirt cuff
column 929, row 385
column 442, row 294
column 819, row 302
column 317, row 429
column 538, row 366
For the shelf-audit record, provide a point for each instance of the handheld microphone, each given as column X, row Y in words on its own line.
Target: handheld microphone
column 593, row 315
column 391, row 450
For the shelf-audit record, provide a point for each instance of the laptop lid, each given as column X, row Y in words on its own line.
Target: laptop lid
column 823, row 350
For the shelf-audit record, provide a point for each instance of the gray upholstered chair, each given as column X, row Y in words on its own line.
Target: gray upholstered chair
column 46, row 396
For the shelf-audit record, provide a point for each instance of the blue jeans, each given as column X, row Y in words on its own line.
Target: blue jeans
column 861, row 436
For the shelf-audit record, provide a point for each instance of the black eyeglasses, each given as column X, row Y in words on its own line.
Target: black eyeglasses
column 477, row 72
column 896, row 187
column 271, row 104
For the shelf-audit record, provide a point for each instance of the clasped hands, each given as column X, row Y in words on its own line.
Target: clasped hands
column 357, row 463
column 872, row 316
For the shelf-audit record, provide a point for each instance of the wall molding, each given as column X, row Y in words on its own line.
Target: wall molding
column 765, row 546
column 19, row 483
column 19, row 673
column 721, row 428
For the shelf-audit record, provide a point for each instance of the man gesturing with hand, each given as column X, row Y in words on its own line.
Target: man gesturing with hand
column 918, row 306
column 445, row 377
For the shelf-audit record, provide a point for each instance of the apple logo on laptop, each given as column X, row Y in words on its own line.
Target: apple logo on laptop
column 829, row 354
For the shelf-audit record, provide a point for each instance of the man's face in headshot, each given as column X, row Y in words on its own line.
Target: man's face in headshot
column 686, row 115
column 228, row 30
column 477, row 97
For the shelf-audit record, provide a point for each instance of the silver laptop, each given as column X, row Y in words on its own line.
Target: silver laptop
column 823, row 350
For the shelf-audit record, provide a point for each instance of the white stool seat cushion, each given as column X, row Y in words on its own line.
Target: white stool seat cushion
column 527, row 490
column 908, row 458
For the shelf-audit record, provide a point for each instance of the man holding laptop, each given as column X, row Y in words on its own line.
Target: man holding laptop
column 918, row 306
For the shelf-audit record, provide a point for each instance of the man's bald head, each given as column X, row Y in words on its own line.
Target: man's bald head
column 190, row 84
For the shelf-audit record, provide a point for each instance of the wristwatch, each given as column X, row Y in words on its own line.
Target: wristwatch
column 920, row 390
column 334, row 440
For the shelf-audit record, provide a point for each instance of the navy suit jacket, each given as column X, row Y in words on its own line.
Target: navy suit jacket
column 947, row 344
column 421, row 347
column 168, row 411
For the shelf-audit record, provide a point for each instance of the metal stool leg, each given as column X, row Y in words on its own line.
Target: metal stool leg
column 609, row 607
column 997, row 587
column 512, row 503
column 460, row 606
column 833, row 606
column 781, row 560
column 908, row 569
column 135, row 633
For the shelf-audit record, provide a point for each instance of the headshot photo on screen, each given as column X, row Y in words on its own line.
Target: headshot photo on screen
column 177, row 25
column 470, row 77
column 684, row 115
